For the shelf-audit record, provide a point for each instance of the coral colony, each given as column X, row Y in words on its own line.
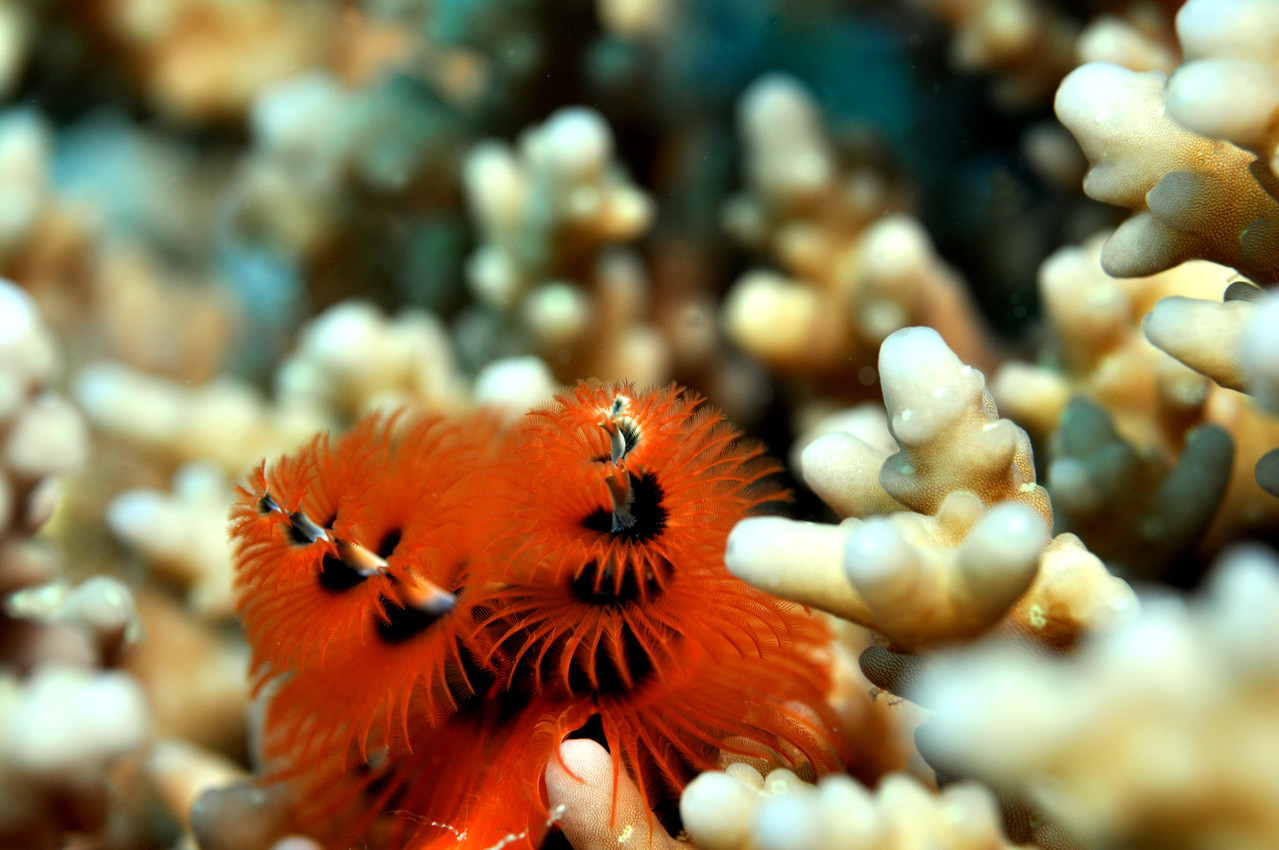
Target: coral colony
column 723, row 424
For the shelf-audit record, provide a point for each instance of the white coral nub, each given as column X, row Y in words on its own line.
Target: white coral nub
column 738, row 809
column 1205, row 335
column 1229, row 86
column 1259, row 354
column 595, row 809
column 1235, row 343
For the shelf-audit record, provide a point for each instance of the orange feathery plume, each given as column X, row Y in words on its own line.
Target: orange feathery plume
column 297, row 597
column 434, row 607
column 769, row 710
column 615, row 511
column 612, row 596
column 472, row 782
column 351, row 571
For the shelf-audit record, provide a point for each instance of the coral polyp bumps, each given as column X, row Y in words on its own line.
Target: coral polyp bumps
column 435, row 606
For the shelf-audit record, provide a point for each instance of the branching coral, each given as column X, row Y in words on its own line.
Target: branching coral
column 1233, row 342
column 25, row 142
column 41, row 436
column 349, row 360
column 182, row 771
column 1192, row 196
column 63, row 769
column 1155, row 735
column 64, row 726
column 553, row 216
column 1211, row 196
column 1139, row 513
column 61, row 732
column 1097, row 350
column 1228, row 87
column 1028, row 43
column 217, row 801
column 1140, row 39
column 193, row 678
column 352, row 359
column 225, row 421
column 326, row 155
column 100, row 607
column 595, row 808
column 1223, row 340
column 966, row 528
column 739, row 808
column 850, row 275
column 1130, row 463
column 200, row 60
column 60, row 226
column 182, row 535
column 176, row 172
column 17, row 37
